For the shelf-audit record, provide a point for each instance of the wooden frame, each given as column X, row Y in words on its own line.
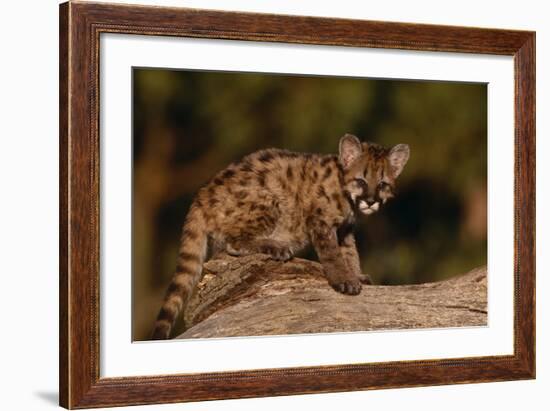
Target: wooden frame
column 80, row 27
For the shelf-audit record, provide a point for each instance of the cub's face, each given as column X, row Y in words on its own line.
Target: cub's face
column 370, row 172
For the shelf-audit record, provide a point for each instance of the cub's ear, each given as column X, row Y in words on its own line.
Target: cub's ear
column 398, row 157
column 350, row 149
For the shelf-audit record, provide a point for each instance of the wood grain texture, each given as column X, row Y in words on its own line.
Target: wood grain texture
column 302, row 29
column 525, row 204
column 63, row 206
column 255, row 295
column 80, row 27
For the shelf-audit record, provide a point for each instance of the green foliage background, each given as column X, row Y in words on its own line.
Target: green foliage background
column 189, row 125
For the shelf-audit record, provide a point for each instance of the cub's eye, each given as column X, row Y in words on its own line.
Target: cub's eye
column 361, row 183
column 385, row 188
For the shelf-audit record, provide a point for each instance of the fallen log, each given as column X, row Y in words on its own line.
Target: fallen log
column 255, row 295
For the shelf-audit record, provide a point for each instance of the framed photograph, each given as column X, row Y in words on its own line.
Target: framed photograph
column 259, row 205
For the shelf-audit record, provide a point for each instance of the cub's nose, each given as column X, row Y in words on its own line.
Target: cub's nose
column 370, row 201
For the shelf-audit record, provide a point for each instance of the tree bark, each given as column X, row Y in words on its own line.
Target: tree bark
column 255, row 295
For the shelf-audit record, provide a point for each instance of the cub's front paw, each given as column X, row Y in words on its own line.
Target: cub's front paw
column 348, row 287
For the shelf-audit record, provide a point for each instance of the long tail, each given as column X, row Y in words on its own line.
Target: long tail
column 191, row 257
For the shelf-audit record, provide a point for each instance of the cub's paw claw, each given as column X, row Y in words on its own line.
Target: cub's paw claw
column 277, row 253
column 365, row 279
column 286, row 255
column 348, row 287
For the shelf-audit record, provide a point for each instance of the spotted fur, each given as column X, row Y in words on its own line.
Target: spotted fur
column 277, row 202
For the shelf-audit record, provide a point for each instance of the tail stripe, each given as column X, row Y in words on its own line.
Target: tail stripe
column 175, row 288
column 189, row 234
column 186, row 256
column 186, row 268
column 166, row 314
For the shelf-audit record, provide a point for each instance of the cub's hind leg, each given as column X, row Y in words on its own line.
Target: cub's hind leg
column 275, row 249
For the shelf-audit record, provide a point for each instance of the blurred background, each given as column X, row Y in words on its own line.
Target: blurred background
column 188, row 125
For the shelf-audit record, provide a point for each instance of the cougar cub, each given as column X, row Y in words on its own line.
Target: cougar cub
column 276, row 202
